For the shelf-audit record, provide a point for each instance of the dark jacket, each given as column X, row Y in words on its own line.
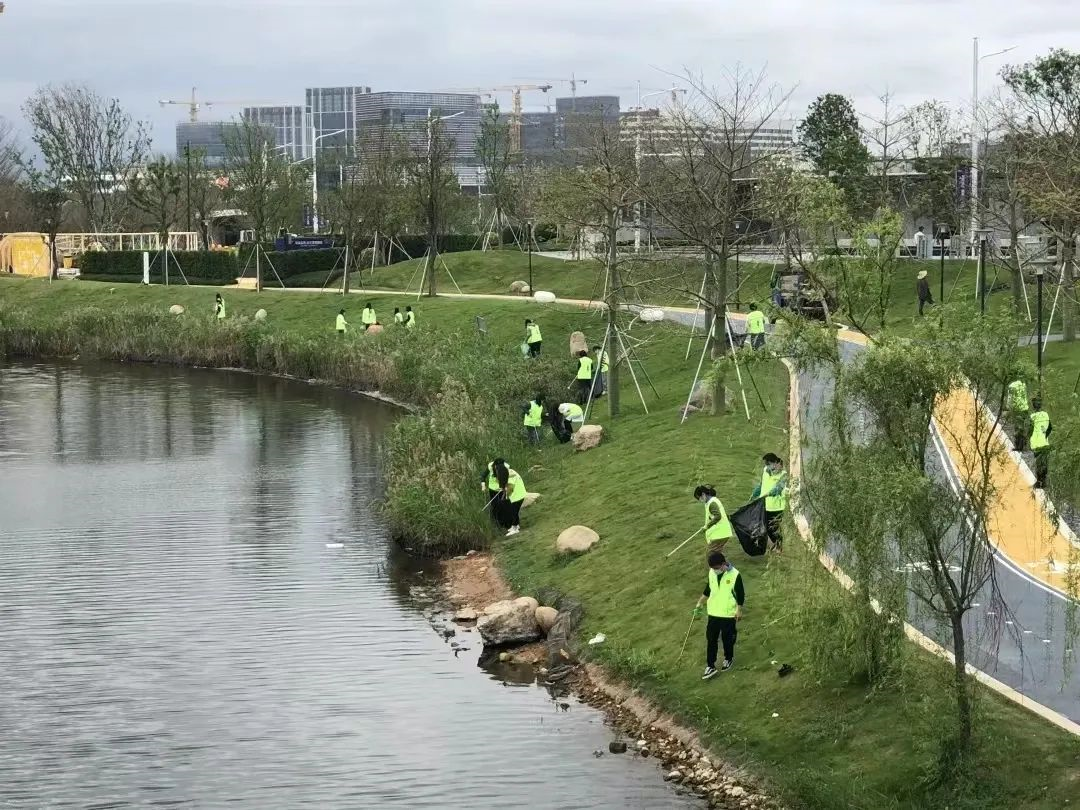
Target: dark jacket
column 923, row 288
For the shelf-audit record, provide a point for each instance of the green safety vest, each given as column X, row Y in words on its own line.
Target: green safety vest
column 721, row 530
column 492, row 481
column 585, row 368
column 755, row 322
column 1040, row 421
column 399, row 318
column 534, row 334
column 601, row 359
column 517, row 488
column 341, row 323
column 774, row 503
column 574, row 412
column 1018, row 398
column 410, row 319
column 367, row 317
column 721, row 602
column 220, row 307
column 535, row 416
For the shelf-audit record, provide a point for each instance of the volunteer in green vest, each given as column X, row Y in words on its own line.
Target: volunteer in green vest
column 723, row 599
column 534, row 418
column 513, row 496
column 533, row 338
column 492, row 488
column 1019, row 415
column 1040, row 442
column 219, row 307
column 410, row 318
column 755, row 327
column 573, row 417
column 340, row 325
column 773, row 488
column 399, row 319
column 717, row 526
column 584, row 376
column 601, row 371
column 367, row 317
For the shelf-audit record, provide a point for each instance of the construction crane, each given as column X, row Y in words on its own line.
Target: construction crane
column 573, row 81
column 195, row 105
column 515, row 115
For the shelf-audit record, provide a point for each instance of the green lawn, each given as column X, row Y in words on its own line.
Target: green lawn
column 832, row 745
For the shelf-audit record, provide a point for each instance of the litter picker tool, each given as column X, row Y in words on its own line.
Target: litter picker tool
column 686, row 638
column 493, row 497
column 684, row 542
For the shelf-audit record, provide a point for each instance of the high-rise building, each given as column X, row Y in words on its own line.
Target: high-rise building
column 544, row 134
column 209, row 137
column 329, row 110
column 770, row 138
column 292, row 133
column 407, row 113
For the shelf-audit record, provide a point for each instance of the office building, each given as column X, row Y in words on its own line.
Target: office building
column 291, row 130
column 771, row 138
column 407, row 113
column 329, row 110
column 209, row 137
column 545, row 134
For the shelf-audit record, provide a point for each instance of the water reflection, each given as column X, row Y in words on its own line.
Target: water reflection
column 173, row 629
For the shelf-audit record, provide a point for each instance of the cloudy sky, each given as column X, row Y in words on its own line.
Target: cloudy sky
column 270, row 50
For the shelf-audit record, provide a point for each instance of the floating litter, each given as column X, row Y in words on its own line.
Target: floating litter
column 775, row 714
column 335, row 545
column 599, row 638
column 1046, row 641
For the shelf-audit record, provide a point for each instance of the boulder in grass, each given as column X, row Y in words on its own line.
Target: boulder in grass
column 260, row 315
column 576, row 540
column 508, row 622
column 588, row 437
column 520, row 287
column 578, row 343
column 530, row 499
column 527, row 601
column 651, row 314
column 176, row 309
column 544, row 297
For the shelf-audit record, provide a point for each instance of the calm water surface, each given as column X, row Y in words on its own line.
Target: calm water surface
column 174, row 631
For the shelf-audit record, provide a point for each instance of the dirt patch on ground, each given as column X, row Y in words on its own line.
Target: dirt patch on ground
column 473, row 580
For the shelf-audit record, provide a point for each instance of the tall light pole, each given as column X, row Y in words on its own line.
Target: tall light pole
column 975, row 60
column 1039, row 306
column 315, row 172
column 637, row 154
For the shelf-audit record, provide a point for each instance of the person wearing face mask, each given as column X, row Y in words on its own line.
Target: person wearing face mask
column 722, row 600
column 773, row 488
column 717, row 526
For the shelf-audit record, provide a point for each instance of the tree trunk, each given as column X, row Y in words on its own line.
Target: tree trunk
column 1018, row 270
column 1068, row 294
column 961, row 687
column 432, row 254
column 716, row 305
column 613, row 292
column 348, row 258
column 53, row 275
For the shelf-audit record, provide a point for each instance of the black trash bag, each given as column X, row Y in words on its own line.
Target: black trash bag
column 559, row 426
column 750, row 527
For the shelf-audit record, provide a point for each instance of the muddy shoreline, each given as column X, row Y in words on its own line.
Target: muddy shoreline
column 472, row 582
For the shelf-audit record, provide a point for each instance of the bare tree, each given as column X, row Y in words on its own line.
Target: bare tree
column 261, row 181
column 14, row 207
column 380, row 175
column 433, row 188
column 700, row 179
column 889, row 138
column 201, row 192
column 496, row 155
column 156, row 192
column 90, row 142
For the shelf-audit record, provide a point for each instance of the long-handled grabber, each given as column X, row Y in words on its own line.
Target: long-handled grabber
column 686, row 638
column 684, row 542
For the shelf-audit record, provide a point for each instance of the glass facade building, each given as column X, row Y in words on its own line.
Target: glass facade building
column 289, row 125
column 208, row 136
column 407, row 113
column 331, row 109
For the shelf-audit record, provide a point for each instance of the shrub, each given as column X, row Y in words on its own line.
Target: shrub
column 127, row 265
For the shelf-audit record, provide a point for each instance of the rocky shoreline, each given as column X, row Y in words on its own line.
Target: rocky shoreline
column 473, row 583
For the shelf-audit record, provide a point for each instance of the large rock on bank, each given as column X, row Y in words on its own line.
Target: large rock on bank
column 546, row 618
column 176, row 309
column 520, row 287
column 509, row 622
column 576, row 540
column 578, row 343
column 588, row 437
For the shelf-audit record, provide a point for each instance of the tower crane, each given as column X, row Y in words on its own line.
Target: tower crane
column 194, row 105
column 515, row 115
column 573, row 81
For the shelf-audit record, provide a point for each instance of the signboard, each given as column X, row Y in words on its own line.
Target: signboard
column 282, row 244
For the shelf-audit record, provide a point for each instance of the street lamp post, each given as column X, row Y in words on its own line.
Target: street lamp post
column 975, row 60
column 315, row 172
column 1039, row 332
column 942, row 233
column 982, row 235
column 532, row 232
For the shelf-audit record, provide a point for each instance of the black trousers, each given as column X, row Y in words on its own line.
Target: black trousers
column 1042, row 466
column 508, row 513
column 924, row 302
column 774, row 526
column 757, row 341
column 584, row 388
column 720, row 628
column 534, row 349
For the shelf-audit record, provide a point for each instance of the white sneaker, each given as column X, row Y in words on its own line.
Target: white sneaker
column 709, row 673
column 512, row 531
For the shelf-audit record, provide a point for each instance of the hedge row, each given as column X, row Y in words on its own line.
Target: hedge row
column 127, row 265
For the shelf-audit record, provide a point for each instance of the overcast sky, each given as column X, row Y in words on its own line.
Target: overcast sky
column 270, row 50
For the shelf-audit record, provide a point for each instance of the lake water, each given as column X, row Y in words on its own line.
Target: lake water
column 174, row 631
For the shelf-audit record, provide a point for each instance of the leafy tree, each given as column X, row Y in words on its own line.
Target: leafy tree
column 90, row 142
column 156, row 192
column 832, row 139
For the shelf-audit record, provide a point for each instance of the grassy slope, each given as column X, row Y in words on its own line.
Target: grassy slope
column 832, row 745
